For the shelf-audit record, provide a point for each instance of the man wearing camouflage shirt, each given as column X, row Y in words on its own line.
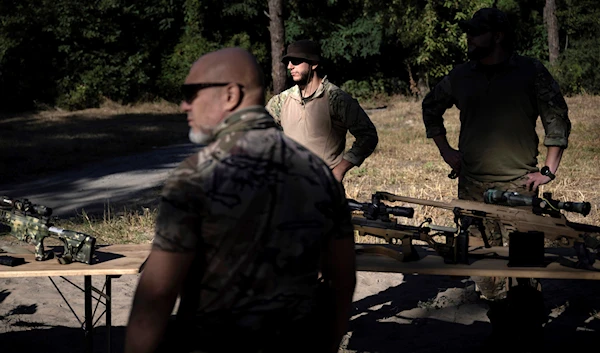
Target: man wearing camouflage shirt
column 318, row 114
column 500, row 96
column 245, row 228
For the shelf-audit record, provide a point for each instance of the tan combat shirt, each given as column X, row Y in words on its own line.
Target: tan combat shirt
column 320, row 123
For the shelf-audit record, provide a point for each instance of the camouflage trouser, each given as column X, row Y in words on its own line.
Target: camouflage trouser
column 494, row 288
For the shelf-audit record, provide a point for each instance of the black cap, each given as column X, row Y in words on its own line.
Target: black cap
column 486, row 20
column 303, row 49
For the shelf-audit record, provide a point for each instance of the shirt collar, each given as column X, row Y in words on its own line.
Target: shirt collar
column 318, row 93
column 242, row 119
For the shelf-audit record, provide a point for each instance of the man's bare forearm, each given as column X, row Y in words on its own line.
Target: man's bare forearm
column 553, row 158
column 154, row 299
column 148, row 321
column 343, row 306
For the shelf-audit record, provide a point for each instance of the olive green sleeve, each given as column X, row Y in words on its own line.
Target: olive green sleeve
column 274, row 107
column 553, row 109
column 351, row 114
column 435, row 103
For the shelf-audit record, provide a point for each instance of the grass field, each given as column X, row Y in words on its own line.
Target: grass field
column 404, row 163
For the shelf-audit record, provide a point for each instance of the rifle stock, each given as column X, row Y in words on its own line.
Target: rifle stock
column 30, row 223
column 376, row 221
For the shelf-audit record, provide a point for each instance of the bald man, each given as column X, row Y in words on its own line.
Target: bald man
column 245, row 228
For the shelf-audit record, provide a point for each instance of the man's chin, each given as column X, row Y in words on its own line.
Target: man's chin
column 199, row 137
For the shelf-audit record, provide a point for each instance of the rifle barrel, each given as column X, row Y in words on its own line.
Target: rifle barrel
column 391, row 197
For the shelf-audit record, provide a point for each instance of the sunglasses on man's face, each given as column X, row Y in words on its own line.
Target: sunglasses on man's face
column 190, row 90
column 296, row 61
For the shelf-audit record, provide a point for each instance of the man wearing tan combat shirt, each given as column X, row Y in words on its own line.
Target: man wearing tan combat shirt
column 318, row 114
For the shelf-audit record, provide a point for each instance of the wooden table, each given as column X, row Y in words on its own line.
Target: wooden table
column 111, row 261
column 116, row 260
column 431, row 263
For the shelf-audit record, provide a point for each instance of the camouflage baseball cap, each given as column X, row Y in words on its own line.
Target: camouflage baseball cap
column 303, row 49
column 486, row 20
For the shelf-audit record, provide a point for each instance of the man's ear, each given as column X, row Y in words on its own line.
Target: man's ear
column 233, row 96
column 314, row 66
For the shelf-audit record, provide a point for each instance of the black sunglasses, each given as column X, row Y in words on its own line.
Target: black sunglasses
column 190, row 90
column 296, row 61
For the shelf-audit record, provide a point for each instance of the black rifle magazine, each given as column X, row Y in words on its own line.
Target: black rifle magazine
column 11, row 261
column 526, row 249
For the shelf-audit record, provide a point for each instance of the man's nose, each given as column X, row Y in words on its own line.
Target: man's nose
column 184, row 106
column 290, row 65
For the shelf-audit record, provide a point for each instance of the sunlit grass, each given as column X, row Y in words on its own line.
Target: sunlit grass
column 405, row 163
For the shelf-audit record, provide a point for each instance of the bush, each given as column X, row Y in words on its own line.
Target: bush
column 577, row 71
column 364, row 90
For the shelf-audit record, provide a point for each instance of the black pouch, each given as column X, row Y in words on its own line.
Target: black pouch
column 11, row 261
column 526, row 249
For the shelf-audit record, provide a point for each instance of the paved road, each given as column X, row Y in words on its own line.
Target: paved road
column 118, row 181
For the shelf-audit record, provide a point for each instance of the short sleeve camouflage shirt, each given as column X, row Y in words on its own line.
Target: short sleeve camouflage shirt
column 256, row 208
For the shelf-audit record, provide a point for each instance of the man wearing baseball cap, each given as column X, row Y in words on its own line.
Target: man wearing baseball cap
column 500, row 95
column 318, row 114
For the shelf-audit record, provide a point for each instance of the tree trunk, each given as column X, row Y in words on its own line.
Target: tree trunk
column 552, row 28
column 277, row 33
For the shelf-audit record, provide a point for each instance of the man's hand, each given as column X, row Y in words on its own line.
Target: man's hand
column 451, row 156
column 535, row 180
column 340, row 170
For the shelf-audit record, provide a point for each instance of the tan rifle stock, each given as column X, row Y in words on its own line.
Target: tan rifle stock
column 515, row 219
column 376, row 221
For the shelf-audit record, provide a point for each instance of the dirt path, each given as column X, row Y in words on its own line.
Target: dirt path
column 119, row 181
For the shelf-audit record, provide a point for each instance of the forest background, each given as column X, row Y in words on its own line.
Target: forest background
column 73, row 55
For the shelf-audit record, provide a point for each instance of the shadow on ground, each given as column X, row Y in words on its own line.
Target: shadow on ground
column 61, row 339
column 571, row 330
column 89, row 160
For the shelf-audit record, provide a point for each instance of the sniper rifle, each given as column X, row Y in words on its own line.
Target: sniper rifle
column 31, row 223
column 380, row 220
column 539, row 218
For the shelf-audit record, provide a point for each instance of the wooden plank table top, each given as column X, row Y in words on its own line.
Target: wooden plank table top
column 127, row 259
column 110, row 260
column 431, row 263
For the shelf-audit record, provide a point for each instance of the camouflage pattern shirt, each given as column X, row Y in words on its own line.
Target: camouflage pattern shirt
column 321, row 121
column 499, row 106
column 256, row 208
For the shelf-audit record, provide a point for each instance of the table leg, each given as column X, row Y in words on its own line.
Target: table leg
column 88, row 314
column 108, row 311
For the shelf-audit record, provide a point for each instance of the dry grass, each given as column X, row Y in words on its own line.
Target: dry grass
column 405, row 162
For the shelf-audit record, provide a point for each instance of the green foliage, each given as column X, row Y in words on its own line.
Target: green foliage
column 76, row 54
column 361, row 38
column 363, row 90
column 577, row 71
column 579, row 62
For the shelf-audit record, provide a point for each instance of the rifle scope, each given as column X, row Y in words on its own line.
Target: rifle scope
column 545, row 202
column 374, row 210
column 27, row 206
